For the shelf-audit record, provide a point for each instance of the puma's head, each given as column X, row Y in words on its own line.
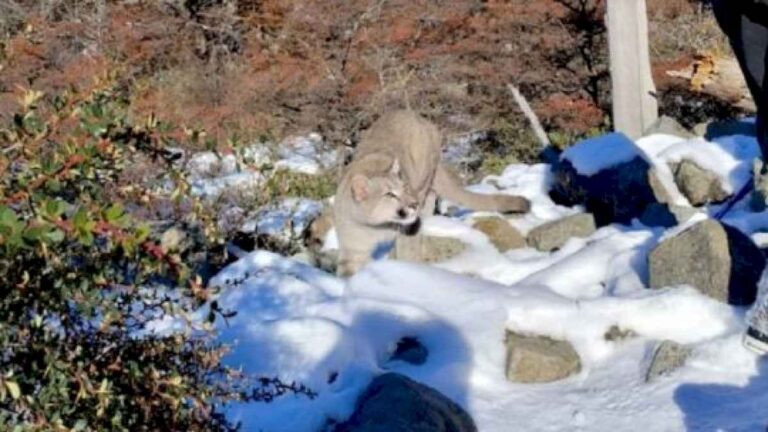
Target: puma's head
column 385, row 198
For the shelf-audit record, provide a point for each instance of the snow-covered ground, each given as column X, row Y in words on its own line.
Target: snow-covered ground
column 299, row 323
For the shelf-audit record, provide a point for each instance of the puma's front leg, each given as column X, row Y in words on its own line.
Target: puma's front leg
column 350, row 262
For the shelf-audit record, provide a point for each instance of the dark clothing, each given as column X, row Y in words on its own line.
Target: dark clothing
column 745, row 22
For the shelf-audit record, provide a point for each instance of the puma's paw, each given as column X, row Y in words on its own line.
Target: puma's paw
column 514, row 204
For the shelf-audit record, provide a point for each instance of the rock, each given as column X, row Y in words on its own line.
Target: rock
column 410, row 350
column 668, row 126
column 759, row 197
column 697, row 184
column 317, row 230
column 538, row 359
column 666, row 215
column 173, row 239
column 616, row 193
column 500, row 232
column 314, row 240
column 426, row 248
column 718, row 260
column 553, row 235
column 616, row 334
column 395, row 403
column 667, row 357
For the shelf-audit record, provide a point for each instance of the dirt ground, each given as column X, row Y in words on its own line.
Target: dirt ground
column 247, row 69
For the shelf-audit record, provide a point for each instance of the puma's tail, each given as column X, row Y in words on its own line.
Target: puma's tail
column 448, row 185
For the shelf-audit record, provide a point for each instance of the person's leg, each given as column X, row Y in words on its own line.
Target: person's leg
column 748, row 36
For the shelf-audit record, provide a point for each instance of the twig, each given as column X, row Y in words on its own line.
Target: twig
column 531, row 116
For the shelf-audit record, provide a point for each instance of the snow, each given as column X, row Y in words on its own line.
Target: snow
column 290, row 214
column 730, row 158
column 211, row 174
column 595, row 154
column 300, row 323
column 306, row 155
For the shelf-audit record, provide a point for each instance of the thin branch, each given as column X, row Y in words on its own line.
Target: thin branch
column 531, row 116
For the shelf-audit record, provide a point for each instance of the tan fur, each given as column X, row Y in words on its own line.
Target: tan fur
column 393, row 180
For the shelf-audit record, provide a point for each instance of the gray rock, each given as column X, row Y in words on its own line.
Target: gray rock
column 554, row 235
column 539, row 359
column 718, row 260
column 667, row 357
column 666, row 215
column 395, row 403
column 669, row 126
column 314, row 239
column 616, row 194
column 426, row 248
column 500, row 232
column 759, row 196
column 697, row 184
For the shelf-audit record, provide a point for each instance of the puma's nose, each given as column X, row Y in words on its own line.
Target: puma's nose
column 401, row 213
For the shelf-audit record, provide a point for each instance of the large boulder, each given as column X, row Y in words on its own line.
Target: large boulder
column 609, row 176
column 395, row 403
column 539, row 359
column 500, row 232
column 697, row 184
column 718, row 260
column 553, row 235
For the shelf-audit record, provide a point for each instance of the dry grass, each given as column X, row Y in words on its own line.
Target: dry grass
column 683, row 28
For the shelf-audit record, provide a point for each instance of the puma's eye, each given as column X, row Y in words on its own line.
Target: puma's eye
column 391, row 195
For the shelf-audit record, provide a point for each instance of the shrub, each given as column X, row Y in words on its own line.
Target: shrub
column 82, row 279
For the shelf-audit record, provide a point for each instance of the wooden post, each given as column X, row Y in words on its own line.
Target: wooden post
column 634, row 107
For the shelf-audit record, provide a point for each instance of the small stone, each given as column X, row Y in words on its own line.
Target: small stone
column 554, row 235
column 616, row 334
column 173, row 240
column 539, row 359
column 668, row 356
column 697, row 184
column 759, row 197
column 500, row 232
column 426, row 248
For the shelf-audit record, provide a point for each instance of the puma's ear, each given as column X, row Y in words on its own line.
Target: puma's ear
column 395, row 170
column 360, row 187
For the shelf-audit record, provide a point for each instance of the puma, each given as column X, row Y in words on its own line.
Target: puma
column 392, row 182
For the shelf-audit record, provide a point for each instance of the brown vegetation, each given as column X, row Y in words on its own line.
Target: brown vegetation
column 240, row 69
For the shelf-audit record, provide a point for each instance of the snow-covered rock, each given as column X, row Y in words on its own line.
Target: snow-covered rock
column 611, row 176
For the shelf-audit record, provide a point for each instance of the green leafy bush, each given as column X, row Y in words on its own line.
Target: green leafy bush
column 82, row 278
